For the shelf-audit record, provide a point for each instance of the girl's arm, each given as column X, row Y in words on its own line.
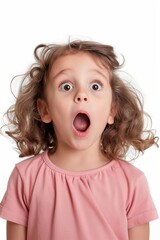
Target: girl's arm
column 16, row 231
column 140, row 232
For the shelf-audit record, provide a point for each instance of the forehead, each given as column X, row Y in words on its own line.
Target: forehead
column 77, row 62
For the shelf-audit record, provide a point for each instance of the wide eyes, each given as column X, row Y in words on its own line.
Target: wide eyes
column 67, row 86
column 96, row 86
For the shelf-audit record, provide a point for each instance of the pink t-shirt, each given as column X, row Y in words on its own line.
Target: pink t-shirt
column 58, row 204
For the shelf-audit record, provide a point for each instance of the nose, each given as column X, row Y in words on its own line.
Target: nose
column 81, row 97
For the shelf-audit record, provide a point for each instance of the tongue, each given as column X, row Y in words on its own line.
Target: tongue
column 81, row 122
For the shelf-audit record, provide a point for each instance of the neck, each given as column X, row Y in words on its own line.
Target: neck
column 78, row 160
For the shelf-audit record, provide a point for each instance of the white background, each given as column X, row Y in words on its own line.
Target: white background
column 130, row 26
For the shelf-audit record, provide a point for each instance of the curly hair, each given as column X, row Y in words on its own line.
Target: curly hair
column 32, row 135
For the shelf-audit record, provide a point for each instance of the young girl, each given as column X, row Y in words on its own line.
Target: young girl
column 78, row 119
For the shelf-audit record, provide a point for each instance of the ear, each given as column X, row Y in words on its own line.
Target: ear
column 110, row 120
column 112, row 114
column 43, row 111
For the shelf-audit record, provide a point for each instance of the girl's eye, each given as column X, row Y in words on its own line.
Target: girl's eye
column 66, row 86
column 96, row 86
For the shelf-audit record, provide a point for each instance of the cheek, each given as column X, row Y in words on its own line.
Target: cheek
column 103, row 116
column 59, row 111
column 105, row 105
column 103, row 111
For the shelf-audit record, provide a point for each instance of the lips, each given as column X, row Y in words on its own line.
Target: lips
column 81, row 122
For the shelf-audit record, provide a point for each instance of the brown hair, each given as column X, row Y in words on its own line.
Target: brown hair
column 32, row 135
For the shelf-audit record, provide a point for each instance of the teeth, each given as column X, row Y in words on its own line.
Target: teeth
column 81, row 122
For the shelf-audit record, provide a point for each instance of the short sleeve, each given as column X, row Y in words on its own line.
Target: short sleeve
column 13, row 207
column 141, row 208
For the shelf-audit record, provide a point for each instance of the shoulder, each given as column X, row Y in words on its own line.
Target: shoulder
column 25, row 175
column 128, row 168
column 30, row 165
column 128, row 173
column 140, row 207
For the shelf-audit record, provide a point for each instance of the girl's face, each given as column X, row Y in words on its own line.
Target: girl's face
column 78, row 101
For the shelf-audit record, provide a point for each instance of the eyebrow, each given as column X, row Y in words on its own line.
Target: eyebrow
column 99, row 72
column 63, row 71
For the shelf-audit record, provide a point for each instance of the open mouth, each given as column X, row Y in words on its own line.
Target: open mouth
column 81, row 122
